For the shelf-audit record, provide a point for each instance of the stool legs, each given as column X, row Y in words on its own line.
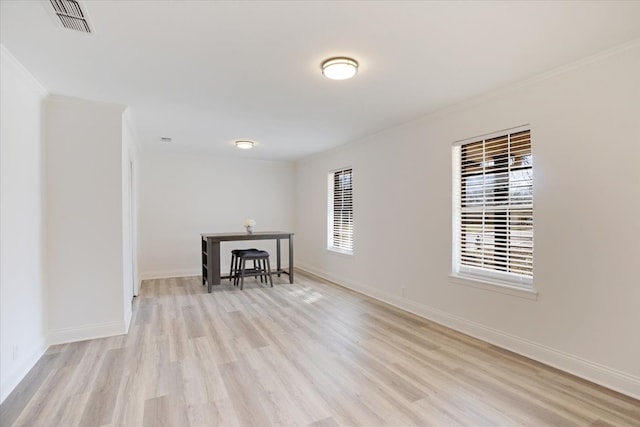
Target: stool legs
column 234, row 267
column 268, row 270
column 233, row 270
column 242, row 262
column 261, row 268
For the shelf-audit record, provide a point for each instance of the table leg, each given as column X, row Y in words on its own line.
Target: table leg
column 291, row 259
column 214, row 263
column 278, row 256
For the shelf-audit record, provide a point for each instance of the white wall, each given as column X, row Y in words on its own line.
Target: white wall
column 85, row 219
column 585, row 124
column 184, row 195
column 22, row 265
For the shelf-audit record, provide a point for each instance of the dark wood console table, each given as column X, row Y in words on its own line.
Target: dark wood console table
column 211, row 252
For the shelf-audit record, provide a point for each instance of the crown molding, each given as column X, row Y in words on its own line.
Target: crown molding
column 8, row 56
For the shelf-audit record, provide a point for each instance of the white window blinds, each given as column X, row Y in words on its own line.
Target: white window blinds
column 340, row 232
column 493, row 207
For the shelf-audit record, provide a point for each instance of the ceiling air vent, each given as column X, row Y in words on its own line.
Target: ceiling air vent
column 71, row 15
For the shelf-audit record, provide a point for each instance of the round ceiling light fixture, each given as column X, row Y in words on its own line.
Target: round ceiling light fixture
column 244, row 144
column 340, row 68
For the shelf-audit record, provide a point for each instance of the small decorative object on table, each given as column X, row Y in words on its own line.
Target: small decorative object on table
column 249, row 224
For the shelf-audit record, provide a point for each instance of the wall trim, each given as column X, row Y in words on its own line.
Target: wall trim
column 14, row 376
column 519, row 85
column 603, row 375
column 87, row 332
column 497, row 93
column 128, row 315
column 6, row 53
column 169, row 273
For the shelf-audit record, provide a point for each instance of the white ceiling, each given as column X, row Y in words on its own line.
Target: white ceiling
column 206, row 73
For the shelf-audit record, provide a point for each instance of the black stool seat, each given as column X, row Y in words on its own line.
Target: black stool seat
column 254, row 254
column 262, row 267
column 240, row 251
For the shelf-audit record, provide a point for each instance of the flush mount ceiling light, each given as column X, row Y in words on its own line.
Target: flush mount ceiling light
column 339, row 68
column 244, row 145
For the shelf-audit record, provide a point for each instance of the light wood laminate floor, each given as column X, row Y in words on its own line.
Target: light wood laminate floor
column 307, row 354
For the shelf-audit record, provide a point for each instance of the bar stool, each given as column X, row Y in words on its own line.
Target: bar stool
column 263, row 268
column 235, row 263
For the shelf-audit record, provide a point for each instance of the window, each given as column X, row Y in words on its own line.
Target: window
column 493, row 208
column 340, row 212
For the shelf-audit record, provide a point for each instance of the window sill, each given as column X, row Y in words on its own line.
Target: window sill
column 340, row 251
column 494, row 286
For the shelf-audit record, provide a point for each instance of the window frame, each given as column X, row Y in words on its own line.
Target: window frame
column 334, row 245
column 490, row 277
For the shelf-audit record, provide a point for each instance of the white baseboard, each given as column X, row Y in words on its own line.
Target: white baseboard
column 128, row 315
column 594, row 372
column 170, row 273
column 14, row 376
column 87, row 332
column 224, row 270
